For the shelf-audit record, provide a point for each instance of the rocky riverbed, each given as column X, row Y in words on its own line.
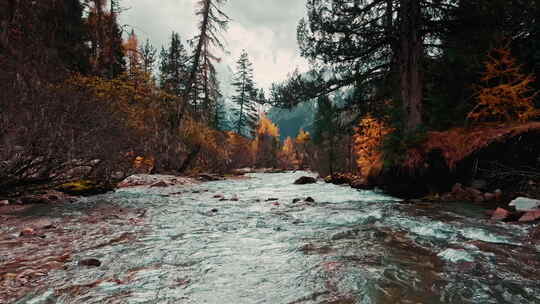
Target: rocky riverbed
column 262, row 240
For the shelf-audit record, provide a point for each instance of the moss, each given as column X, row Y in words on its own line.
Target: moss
column 82, row 187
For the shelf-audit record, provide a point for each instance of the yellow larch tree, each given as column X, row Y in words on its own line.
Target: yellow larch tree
column 506, row 93
column 368, row 138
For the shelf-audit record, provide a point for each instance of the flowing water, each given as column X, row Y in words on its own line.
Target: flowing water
column 187, row 245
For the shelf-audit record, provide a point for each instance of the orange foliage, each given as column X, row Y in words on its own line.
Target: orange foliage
column 266, row 144
column 368, row 139
column 506, row 94
column 267, row 127
column 458, row 143
column 288, row 154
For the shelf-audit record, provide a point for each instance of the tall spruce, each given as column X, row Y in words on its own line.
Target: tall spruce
column 246, row 96
column 202, row 89
column 174, row 66
column 148, row 55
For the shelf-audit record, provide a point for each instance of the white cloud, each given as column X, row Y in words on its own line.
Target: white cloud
column 265, row 28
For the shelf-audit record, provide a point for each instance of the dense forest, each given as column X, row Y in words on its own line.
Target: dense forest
column 399, row 163
column 394, row 87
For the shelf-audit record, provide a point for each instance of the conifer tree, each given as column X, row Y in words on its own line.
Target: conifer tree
column 245, row 97
column 202, row 88
column 173, row 66
column 148, row 57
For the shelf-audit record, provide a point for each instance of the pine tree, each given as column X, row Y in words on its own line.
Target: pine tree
column 202, row 89
column 326, row 131
column 106, row 40
column 377, row 45
column 148, row 57
column 173, row 66
column 246, row 96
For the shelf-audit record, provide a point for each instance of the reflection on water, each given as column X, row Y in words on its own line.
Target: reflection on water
column 348, row 246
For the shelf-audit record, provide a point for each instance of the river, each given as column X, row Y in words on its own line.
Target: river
column 189, row 245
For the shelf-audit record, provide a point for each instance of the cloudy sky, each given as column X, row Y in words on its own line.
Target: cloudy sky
column 265, row 28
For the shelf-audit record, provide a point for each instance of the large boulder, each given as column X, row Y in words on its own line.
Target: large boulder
column 305, row 180
column 525, row 204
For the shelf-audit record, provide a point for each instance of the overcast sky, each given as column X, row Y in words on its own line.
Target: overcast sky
column 265, row 28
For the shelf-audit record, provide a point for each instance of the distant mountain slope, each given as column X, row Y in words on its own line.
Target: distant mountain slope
column 291, row 121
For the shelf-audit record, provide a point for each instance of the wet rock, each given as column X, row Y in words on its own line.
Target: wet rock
column 214, row 210
column 296, row 200
column 525, row 204
column 149, row 179
column 305, row 180
column 160, row 184
column 276, row 204
column 310, row 199
column 530, row 216
column 500, row 214
column 271, row 199
column 361, row 184
column 90, row 262
column 297, row 221
column 218, row 196
column 27, row 232
column 209, row 177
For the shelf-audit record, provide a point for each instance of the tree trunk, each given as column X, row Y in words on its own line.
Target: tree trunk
column 410, row 56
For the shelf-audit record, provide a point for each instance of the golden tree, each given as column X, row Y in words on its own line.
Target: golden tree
column 288, row 154
column 506, row 93
column 266, row 143
column 368, row 139
column 301, row 143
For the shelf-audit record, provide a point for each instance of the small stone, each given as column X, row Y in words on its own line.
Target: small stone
column 296, row 200
column 271, row 199
column 309, row 199
column 275, row 204
column 305, row 180
column 500, row 214
column 90, row 262
column 214, row 210
column 218, row 196
column 530, row 216
column 297, row 221
column 27, row 231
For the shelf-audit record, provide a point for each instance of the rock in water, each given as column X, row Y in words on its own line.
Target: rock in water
column 305, row 180
column 90, row 262
column 530, row 216
column 309, row 199
column 500, row 214
column 525, row 204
